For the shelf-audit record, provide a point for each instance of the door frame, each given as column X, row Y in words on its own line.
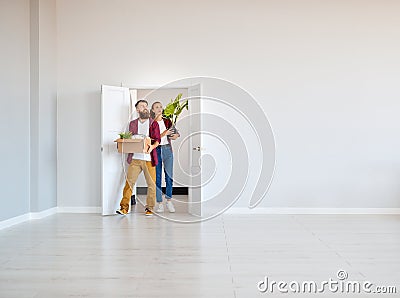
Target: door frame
column 180, row 86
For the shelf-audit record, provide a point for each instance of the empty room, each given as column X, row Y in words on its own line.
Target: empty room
column 199, row 148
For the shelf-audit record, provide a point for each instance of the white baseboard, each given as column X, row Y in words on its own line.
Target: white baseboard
column 39, row 215
column 44, row 213
column 79, row 209
column 14, row 220
column 27, row 216
column 263, row 210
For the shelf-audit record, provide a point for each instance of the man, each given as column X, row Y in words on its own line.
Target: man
column 142, row 162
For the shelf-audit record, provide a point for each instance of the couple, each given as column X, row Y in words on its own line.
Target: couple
column 153, row 125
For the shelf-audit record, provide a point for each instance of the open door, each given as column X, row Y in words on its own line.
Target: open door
column 116, row 107
column 195, row 193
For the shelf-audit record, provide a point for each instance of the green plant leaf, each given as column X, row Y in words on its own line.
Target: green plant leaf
column 125, row 135
column 174, row 108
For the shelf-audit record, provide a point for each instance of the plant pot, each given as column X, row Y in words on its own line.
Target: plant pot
column 174, row 131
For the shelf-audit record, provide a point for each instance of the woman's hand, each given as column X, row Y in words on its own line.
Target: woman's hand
column 174, row 136
column 166, row 133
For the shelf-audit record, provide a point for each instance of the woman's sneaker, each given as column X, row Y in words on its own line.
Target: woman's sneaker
column 160, row 208
column 170, row 206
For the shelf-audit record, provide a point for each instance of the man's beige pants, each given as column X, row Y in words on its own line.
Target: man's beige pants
column 134, row 169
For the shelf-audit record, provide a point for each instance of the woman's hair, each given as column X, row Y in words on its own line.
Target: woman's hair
column 152, row 114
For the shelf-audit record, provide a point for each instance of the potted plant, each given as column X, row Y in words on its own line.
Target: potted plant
column 174, row 109
column 125, row 135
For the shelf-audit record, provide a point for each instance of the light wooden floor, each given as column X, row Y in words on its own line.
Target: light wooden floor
column 180, row 203
column 87, row 255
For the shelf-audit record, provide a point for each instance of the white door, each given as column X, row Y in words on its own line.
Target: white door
column 195, row 193
column 116, row 107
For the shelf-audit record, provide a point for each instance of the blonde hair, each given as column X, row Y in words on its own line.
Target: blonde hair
column 152, row 114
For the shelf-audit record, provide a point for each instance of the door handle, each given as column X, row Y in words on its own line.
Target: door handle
column 197, row 148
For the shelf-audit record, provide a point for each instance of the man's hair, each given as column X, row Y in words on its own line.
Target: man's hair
column 139, row 101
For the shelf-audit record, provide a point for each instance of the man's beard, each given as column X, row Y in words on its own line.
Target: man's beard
column 144, row 115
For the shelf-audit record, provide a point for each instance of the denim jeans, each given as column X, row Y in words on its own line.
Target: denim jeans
column 166, row 158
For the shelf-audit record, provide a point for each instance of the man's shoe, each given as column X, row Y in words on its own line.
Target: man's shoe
column 148, row 212
column 160, row 208
column 170, row 206
column 122, row 211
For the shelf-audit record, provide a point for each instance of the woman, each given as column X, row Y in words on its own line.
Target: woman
column 165, row 157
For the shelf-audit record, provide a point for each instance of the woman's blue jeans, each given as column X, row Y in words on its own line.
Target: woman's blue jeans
column 166, row 158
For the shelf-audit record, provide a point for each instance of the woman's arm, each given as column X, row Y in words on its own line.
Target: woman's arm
column 166, row 132
column 174, row 136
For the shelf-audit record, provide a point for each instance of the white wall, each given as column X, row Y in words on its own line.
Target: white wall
column 43, row 102
column 326, row 73
column 28, row 100
column 14, row 111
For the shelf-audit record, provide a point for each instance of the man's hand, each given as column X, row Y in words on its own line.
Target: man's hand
column 148, row 145
column 150, row 148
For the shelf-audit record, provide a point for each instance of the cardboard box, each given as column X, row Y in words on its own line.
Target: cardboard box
column 136, row 145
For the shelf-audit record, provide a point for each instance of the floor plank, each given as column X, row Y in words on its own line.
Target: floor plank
column 87, row 255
